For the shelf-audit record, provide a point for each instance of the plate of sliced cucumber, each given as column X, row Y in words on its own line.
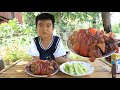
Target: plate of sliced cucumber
column 76, row 68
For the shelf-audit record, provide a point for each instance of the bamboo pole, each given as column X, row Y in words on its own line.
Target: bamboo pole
column 6, row 68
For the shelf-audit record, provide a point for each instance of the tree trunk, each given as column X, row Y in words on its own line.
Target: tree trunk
column 106, row 21
column 94, row 22
column 107, row 27
column 59, row 21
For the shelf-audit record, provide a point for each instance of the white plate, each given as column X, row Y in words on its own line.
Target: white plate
column 87, row 65
column 106, row 55
column 31, row 74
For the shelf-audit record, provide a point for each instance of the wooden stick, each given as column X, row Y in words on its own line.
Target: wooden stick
column 109, row 64
column 3, row 70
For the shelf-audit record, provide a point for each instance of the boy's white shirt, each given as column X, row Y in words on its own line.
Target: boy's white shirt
column 60, row 51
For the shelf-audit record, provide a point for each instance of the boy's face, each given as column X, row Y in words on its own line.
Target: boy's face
column 44, row 28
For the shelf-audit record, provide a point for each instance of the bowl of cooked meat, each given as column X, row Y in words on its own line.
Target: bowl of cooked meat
column 92, row 43
column 42, row 68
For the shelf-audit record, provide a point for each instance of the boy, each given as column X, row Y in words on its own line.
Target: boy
column 47, row 46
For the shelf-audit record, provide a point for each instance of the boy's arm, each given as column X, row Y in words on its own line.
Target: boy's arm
column 36, row 58
column 61, row 60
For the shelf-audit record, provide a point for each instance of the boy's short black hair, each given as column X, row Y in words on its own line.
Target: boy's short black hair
column 45, row 16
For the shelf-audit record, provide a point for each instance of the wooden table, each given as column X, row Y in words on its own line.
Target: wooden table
column 17, row 70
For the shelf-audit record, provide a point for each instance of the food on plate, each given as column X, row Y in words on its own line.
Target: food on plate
column 43, row 67
column 92, row 43
column 75, row 69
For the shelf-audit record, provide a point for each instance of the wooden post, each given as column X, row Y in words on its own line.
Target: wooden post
column 2, row 63
column 107, row 28
column 94, row 22
column 106, row 21
column 59, row 21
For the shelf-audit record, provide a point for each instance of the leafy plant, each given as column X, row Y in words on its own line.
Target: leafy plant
column 14, row 40
column 13, row 52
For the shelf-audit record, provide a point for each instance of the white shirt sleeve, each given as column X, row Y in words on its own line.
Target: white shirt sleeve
column 60, row 51
column 33, row 49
